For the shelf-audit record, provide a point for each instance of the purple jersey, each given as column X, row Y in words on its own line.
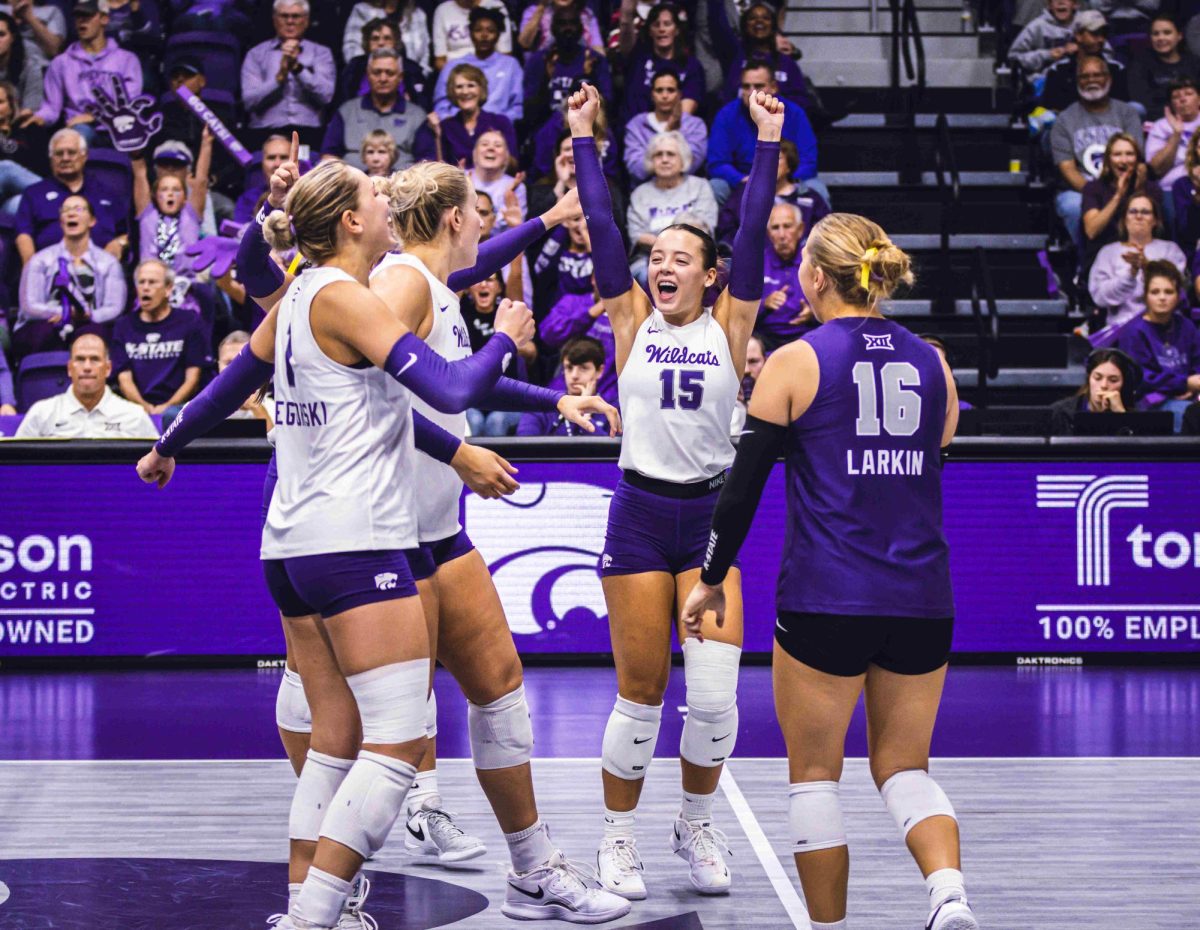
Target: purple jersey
column 864, row 477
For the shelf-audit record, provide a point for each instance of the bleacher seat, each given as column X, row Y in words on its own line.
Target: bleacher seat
column 115, row 170
column 221, row 54
column 41, row 375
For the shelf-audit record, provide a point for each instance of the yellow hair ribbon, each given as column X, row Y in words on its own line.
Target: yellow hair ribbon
column 864, row 276
column 295, row 264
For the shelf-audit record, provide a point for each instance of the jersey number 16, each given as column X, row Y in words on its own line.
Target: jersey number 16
column 901, row 406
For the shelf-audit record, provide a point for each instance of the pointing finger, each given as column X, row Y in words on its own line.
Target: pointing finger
column 294, row 154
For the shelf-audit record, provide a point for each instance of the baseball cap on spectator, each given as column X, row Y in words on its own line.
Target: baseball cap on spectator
column 173, row 151
column 1090, row 21
column 186, row 66
column 91, row 7
column 484, row 12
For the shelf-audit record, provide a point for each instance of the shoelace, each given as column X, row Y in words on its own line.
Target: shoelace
column 358, row 897
column 440, row 820
column 362, row 921
column 707, row 842
column 275, row 919
column 626, row 857
column 576, row 876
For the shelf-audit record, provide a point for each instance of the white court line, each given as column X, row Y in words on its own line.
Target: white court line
column 766, row 855
column 543, row 760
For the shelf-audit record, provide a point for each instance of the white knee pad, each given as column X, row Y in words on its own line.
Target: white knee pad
column 368, row 802
column 431, row 716
column 913, row 796
column 391, row 701
column 815, row 816
column 711, row 672
column 501, row 734
column 629, row 739
column 320, row 779
column 291, row 706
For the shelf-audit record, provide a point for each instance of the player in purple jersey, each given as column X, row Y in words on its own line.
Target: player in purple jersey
column 861, row 408
column 679, row 368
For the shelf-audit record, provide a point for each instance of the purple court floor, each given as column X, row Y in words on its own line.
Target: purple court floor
column 229, row 714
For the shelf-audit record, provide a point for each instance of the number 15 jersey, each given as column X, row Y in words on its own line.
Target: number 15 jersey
column 864, row 478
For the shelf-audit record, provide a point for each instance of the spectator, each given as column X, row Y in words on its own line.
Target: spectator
column 1168, row 138
column 383, row 108
column 452, row 30
column 71, row 286
column 1129, row 17
column 1116, row 280
column 378, row 153
column 1080, row 135
column 87, row 64
column 1062, row 78
column 552, row 187
column 181, row 125
column 275, row 151
column 8, row 397
column 175, row 159
column 583, row 365
column 1164, row 344
column 479, row 313
column 454, row 139
column 548, row 140
column 43, row 29
column 287, row 82
column 755, row 359
column 407, row 15
column 19, row 68
column 23, row 150
column 1153, row 71
column 666, row 115
column 536, row 25
column 759, row 41
column 663, row 50
column 490, row 173
column 731, row 141
column 1111, row 387
column 87, row 409
column 551, row 72
column 812, row 205
column 1123, row 174
column 1045, row 40
column 135, row 25
column 1185, row 195
column 159, row 351
column 259, row 405
column 502, row 73
column 785, row 315
column 38, row 215
column 417, row 84
column 671, row 195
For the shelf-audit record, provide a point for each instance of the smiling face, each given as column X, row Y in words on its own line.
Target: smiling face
column 760, row 23
column 1164, row 37
column 373, row 217
column 1123, row 157
column 1093, row 80
column 1104, row 379
column 465, row 93
column 663, row 33
column 677, row 275
column 491, row 152
column 1162, row 297
column 169, row 195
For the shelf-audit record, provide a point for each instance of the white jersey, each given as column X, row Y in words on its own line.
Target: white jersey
column 343, row 440
column 678, row 389
column 437, row 487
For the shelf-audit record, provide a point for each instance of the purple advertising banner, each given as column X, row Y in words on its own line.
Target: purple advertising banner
column 1050, row 557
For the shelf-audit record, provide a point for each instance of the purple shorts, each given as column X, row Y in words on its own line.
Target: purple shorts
column 649, row 531
column 427, row 558
column 334, row 582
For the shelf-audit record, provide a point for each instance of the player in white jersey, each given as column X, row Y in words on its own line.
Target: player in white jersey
column 433, row 211
column 341, row 518
column 679, row 367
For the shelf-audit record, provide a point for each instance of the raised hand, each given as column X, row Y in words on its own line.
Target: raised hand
column 129, row 125
column 216, row 252
column 583, row 107
column 767, row 112
column 515, row 320
column 776, row 299
column 511, row 213
column 286, row 175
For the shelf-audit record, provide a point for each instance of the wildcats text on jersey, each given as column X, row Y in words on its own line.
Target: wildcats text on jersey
column 885, row 462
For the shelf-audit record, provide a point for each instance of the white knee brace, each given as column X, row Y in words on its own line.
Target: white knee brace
column 711, row 672
column 501, row 734
column 291, row 706
column 629, row 739
column 815, row 816
column 368, row 802
column 320, row 779
column 431, row 716
column 913, row 796
column 391, row 701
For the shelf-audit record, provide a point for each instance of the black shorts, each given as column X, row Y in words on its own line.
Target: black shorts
column 840, row 644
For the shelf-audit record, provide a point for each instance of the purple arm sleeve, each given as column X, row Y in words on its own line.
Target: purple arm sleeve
column 746, row 273
column 608, row 250
column 223, row 395
column 520, row 397
column 498, row 253
column 449, row 387
column 256, row 270
column 434, row 441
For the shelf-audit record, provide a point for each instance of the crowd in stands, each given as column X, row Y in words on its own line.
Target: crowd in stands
column 96, row 232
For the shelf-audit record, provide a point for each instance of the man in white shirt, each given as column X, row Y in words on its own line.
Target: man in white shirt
column 88, row 410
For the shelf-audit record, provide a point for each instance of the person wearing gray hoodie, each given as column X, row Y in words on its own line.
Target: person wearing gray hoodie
column 1049, row 37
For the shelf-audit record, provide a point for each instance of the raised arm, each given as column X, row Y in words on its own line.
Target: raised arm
column 265, row 281
column 199, row 182
column 141, row 185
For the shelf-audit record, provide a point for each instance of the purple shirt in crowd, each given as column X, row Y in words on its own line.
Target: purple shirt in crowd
column 458, row 142
column 812, row 206
column 645, row 126
column 37, row 215
column 788, row 76
column 299, row 100
column 639, row 78
column 1112, row 286
column 72, row 75
column 159, row 354
column 564, row 74
column 98, row 285
column 1167, row 354
column 7, row 395
column 504, row 78
column 545, row 149
column 553, row 423
column 569, row 319
column 777, row 323
column 166, row 238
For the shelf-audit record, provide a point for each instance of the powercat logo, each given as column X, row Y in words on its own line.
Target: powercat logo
column 1093, row 499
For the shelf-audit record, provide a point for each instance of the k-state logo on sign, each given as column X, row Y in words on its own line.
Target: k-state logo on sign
column 386, row 581
column 1093, row 500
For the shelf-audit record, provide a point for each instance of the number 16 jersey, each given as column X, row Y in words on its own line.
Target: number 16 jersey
column 864, row 478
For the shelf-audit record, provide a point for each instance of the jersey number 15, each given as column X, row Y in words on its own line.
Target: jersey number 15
column 690, row 394
column 901, row 406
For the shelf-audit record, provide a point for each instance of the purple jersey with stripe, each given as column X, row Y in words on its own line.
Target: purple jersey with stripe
column 864, row 478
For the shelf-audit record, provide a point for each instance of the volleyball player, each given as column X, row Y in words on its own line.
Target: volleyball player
column 679, row 366
column 861, row 408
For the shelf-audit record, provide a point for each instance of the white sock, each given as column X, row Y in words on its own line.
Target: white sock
column 424, row 792
column 319, row 903
column 293, row 893
column 836, row 925
column 618, row 824
column 697, row 807
column 943, row 884
column 530, row 847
